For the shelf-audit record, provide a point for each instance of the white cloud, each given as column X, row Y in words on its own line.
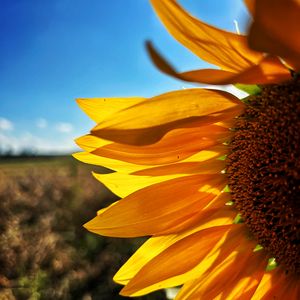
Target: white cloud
column 36, row 144
column 64, row 127
column 6, row 125
column 41, row 123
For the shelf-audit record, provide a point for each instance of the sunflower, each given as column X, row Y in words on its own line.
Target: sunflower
column 214, row 181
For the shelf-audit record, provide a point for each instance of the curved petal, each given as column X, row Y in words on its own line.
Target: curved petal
column 212, row 166
column 113, row 164
column 170, row 267
column 90, row 142
column 268, row 70
column 151, row 210
column 147, row 122
column 123, row 185
column 276, row 29
column 236, row 277
column 127, row 168
column 277, row 285
column 224, row 49
column 175, row 146
column 250, row 6
column 99, row 109
column 155, row 245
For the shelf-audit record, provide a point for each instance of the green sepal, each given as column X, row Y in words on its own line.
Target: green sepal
column 226, row 189
column 272, row 264
column 251, row 89
column 223, row 157
column 238, row 219
column 258, row 248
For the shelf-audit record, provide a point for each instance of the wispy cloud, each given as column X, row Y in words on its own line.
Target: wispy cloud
column 64, row 127
column 41, row 123
column 6, row 125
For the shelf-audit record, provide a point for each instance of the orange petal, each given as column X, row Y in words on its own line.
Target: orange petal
column 276, row 29
column 146, row 122
column 277, row 285
column 268, row 70
column 155, row 245
column 177, row 260
column 235, row 277
column 127, row 168
column 212, row 166
column 250, row 6
column 175, row 146
column 152, row 210
column 224, row 49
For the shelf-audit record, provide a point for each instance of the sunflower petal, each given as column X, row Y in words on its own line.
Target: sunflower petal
column 127, row 168
column 158, row 211
column 158, row 115
column 236, row 277
column 171, row 267
column 99, row 109
column 276, row 29
column 250, row 6
column 155, row 245
column 108, row 163
column 277, row 285
column 124, row 184
column 152, row 247
column 212, row 166
column 268, row 70
column 89, row 142
column 175, row 146
column 224, row 49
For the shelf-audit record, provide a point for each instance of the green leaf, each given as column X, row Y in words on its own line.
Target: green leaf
column 251, row 89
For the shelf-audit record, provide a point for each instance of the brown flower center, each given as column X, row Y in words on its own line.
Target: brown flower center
column 264, row 171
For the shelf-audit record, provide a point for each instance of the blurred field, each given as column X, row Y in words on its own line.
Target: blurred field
column 44, row 251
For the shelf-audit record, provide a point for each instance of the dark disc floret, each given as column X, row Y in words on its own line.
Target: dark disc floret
column 264, row 171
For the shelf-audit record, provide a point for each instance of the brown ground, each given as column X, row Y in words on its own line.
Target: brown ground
column 44, row 251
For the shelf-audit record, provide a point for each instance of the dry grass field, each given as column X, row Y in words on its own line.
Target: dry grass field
column 44, row 251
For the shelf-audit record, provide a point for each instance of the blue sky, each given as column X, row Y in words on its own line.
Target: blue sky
column 53, row 51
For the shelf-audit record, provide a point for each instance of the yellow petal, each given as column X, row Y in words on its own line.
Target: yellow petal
column 276, row 29
column 268, row 70
column 147, row 122
column 152, row 210
column 152, row 247
column 175, row 146
column 235, row 278
column 224, row 49
column 99, row 109
column 277, row 285
column 109, row 163
column 171, row 266
column 124, row 184
column 89, row 142
column 212, row 166
column 155, row 245
column 127, row 168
